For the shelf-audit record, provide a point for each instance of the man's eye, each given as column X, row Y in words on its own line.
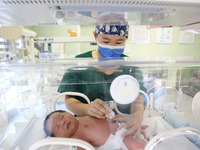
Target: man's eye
column 106, row 42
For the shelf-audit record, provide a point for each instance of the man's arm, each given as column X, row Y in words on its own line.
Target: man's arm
column 76, row 106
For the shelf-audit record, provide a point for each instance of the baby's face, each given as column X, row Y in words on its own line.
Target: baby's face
column 62, row 124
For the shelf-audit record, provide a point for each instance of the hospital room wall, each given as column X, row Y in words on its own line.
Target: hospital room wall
column 173, row 50
column 151, row 50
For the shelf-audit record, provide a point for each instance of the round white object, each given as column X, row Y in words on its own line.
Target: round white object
column 196, row 107
column 124, row 89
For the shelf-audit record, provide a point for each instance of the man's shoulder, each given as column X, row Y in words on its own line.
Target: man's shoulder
column 123, row 55
column 86, row 54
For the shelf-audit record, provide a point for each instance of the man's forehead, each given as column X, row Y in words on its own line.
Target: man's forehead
column 107, row 36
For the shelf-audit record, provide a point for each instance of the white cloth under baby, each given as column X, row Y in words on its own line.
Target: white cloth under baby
column 114, row 142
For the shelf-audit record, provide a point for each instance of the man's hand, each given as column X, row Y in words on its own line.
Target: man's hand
column 98, row 109
column 132, row 123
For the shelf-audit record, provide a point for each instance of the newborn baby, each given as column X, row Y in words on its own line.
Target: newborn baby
column 101, row 133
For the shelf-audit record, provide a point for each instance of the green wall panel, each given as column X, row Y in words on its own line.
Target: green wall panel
column 152, row 50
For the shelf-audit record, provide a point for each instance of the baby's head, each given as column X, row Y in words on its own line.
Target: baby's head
column 60, row 124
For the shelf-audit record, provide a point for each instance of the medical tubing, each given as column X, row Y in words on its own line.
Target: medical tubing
column 70, row 94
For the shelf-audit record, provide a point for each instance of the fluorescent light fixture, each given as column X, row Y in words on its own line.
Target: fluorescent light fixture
column 193, row 31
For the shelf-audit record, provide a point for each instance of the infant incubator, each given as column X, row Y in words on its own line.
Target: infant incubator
column 38, row 71
column 31, row 93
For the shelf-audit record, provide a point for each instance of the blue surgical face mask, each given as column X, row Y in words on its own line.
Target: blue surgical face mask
column 110, row 51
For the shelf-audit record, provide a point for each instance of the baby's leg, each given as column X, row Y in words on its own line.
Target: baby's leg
column 134, row 143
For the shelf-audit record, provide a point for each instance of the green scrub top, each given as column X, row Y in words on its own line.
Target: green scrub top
column 93, row 83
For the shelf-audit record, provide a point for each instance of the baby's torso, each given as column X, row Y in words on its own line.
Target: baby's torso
column 95, row 131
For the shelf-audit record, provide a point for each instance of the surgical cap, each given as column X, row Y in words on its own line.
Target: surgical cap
column 120, row 29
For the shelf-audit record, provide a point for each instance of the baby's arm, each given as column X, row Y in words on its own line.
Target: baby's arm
column 80, row 148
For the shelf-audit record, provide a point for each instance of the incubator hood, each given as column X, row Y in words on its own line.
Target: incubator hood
column 32, row 82
column 29, row 91
column 182, row 13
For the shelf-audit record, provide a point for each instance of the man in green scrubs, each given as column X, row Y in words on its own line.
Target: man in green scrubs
column 95, row 83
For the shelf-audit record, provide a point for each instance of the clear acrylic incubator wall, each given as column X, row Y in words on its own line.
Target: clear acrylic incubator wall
column 30, row 91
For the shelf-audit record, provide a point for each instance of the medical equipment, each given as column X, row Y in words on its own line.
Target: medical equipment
column 172, row 133
column 147, row 100
column 157, row 124
column 124, row 89
column 15, row 32
column 158, row 12
column 23, row 96
column 159, row 99
column 19, row 45
column 34, row 127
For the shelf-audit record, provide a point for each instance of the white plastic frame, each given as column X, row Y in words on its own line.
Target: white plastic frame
column 5, row 115
column 169, row 134
column 196, row 107
column 61, row 141
column 70, row 94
